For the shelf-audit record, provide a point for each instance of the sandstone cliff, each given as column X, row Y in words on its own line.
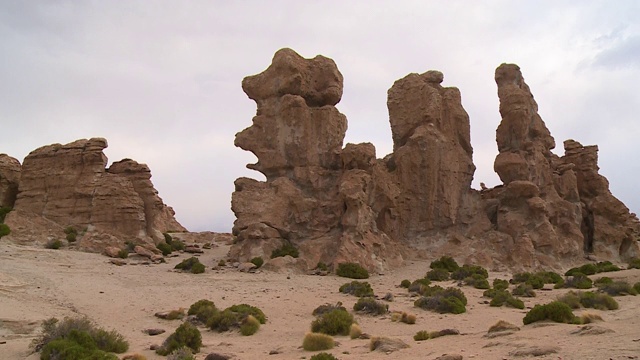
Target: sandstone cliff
column 69, row 185
column 342, row 204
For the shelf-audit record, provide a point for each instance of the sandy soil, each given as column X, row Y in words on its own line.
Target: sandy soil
column 36, row 284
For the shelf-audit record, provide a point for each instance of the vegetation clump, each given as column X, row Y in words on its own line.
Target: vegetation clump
column 249, row 326
column 503, row 297
column 555, row 311
column 536, row 280
column 524, row 289
column 591, row 269
column 234, row 316
column 500, row 284
column 405, row 283
column 588, row 299
column 192, row 265
column 445, row 262
column 368, row 305
column 186, row 335
column 4, row 210
column 469, row 271
column 418, row 286
column 123, row 253
column 4, row 230
column 317, row 342
column 634, row 263
column 438, row 274
column 165, row 248
column 286, row 249
column 355, row 331
column 577, row 281
column 477, row 281
column 203, row 310
column 77, row 338
column 352, row 271
column 335, row 322
column 450, row 300
column 617, row 288
column 403, row 317
column 323, row 309
column 421, row 335
column 176, row 245
column 71, row 233
column 323, row 356
column 357, row 288
column 54, row 244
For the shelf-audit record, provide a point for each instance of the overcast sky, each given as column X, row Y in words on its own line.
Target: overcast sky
column 161, row 80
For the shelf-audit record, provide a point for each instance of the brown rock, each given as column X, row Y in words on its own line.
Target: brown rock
column 111, row 251
column 247, row 267
column 70, row 186
column 9, row 180
column 449, row 357
column 387, row 345
column 143, row 251
column 118, row 262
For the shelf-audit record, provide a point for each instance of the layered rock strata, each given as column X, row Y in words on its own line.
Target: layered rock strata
column 69, row 185
column 343, row 204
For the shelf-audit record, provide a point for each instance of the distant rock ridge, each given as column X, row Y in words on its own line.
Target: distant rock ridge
column 339, row 204
column 69, row 185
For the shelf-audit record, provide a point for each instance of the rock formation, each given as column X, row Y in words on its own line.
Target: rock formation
column 69, row 185
column 9, row 179
column 342, row 204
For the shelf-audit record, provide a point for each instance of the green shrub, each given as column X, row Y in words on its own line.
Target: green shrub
column 323, row 356
column 191, row 264
column 603, row 281
column 257, row 261
column 578, row 281
column 203, row 310
column 477, row 281
column 524, row 289
column 503, row 297
column 442, row 303
column 3, row 213
column 286, row 249
column 4, row 230
column 549, row 277
column 606, row 266
column 71, row 237
column 186, row 335
column 421, row 335
column 555, row 311
column 593, row 300
column 572, row 299
column 167, row 238
column 250, row 326
column 165, row 248
column 317, row 342
column 232, row 317
column 77, row 345
column 123, row 254
column 72, row 233
column 183, row 353
column 245, row 310
column 53, row 244
column 368, row 305
column 322, row 266
column 586, row 269
column 636, row 287
column 500, row 284
column 469, row 270
column 222, row 263
column 352, row 271
column 446, row 263
column 335, row 322
column 81, row 331
column 323, row 309
column 634, row 263
column 357, row 288
column 177, row 245
column 618, row 288
column 405, row 283
column 419, row 285
column 438, row 274
column 537, row 280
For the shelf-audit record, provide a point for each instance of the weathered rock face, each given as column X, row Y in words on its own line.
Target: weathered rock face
column 342, row 204
column 68, row 185
column 9, row 179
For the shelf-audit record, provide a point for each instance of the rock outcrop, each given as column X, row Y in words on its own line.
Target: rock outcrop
column 340, row 204
column 69, row 185
column 9, row 180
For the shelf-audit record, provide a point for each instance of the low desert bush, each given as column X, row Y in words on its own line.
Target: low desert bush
column 445, row 262
column 403, row 317
column 602, row 281
column 588, row 318
column 352, row 271
column 77, row 336
column 183, row 353
column 123, row 253
column 524, row 289
column 4, row 210
column 186, row 335
column 421, row 335
column 335, row 322
column 636, row 287
column 286, row 249
column 257, row 261
column 355, row 331
column 438, row 274
column 555, row 311
column 368, row 305
column 323, row 309
column 500, row 284
column 322, row 266
column 232, row 317
column 588, row 299
column 323, row 356
column 618, row 288
column 357, row 288
column 577, row 281
column 245, row 309
column 249, row 326
column 317, row 342
column 503, row 297
column 590, row 269
column 536, row 280
column 222, row 263
column 418, row 285
column 4, row 230
column 405, row 283
column 468, row 271
column 634, row 263
column 450, row 300
column 167, row 238
column 164, row 248
column 203, row 310
column 53, row 244
column 191, row 264
column 477, row 281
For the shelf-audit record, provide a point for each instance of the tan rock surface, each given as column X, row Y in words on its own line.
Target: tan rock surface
column 9, row 179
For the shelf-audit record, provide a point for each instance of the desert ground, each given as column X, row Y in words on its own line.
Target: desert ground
column 37, row 283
